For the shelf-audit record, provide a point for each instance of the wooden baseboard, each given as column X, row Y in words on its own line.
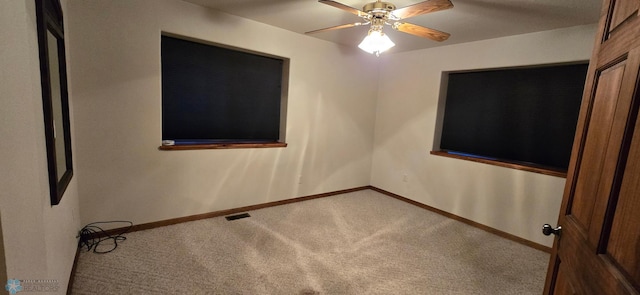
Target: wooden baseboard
column 467, row 221
column 150, row 225
column 73, row 271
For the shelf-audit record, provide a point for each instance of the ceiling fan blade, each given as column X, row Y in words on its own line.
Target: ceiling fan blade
column 343, row 7
column 335, row 28
column 422, row 8
column 421, row 31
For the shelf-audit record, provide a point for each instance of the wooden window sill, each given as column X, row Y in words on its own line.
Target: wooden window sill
column 183, row 147
column 545, row 171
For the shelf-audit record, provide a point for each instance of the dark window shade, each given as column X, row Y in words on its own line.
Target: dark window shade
column 524, row 115
column 210, row 93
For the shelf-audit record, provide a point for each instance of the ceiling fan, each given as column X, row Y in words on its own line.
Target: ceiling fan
column 378, row 14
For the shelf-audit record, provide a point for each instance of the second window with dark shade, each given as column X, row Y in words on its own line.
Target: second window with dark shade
column 214, row 94
column 524, row 116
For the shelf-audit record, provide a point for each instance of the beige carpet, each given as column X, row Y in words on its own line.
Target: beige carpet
column 357, row 243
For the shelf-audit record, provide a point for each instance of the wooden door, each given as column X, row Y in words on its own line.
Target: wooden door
column 598, row 249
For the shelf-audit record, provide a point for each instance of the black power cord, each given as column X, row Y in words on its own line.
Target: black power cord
column 91, row 235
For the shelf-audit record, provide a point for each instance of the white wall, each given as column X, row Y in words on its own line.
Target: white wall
column 510, row 200
column 39, row 240
column 116, row 67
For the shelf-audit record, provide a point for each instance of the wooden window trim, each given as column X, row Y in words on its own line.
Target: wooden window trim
column 541, row 170
column 215, row 146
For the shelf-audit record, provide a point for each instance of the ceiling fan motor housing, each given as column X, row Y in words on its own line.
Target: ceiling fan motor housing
column 378, row 6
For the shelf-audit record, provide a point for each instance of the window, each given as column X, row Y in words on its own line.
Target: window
column 55, row 102
column 217, row 96
column 520, row 116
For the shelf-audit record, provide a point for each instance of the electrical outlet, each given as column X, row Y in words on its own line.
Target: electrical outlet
column 300, row 179
column 405, row 178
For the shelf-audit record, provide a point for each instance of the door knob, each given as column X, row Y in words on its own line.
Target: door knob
column 548, row 230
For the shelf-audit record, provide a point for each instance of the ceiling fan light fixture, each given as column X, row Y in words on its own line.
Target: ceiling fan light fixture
column 376, row 42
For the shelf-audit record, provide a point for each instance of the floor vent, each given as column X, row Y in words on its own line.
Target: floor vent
column 237, row 216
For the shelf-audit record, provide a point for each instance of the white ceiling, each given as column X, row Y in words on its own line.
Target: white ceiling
column 468, row 20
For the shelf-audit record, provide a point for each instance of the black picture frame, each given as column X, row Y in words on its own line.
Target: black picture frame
column 55, row 100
